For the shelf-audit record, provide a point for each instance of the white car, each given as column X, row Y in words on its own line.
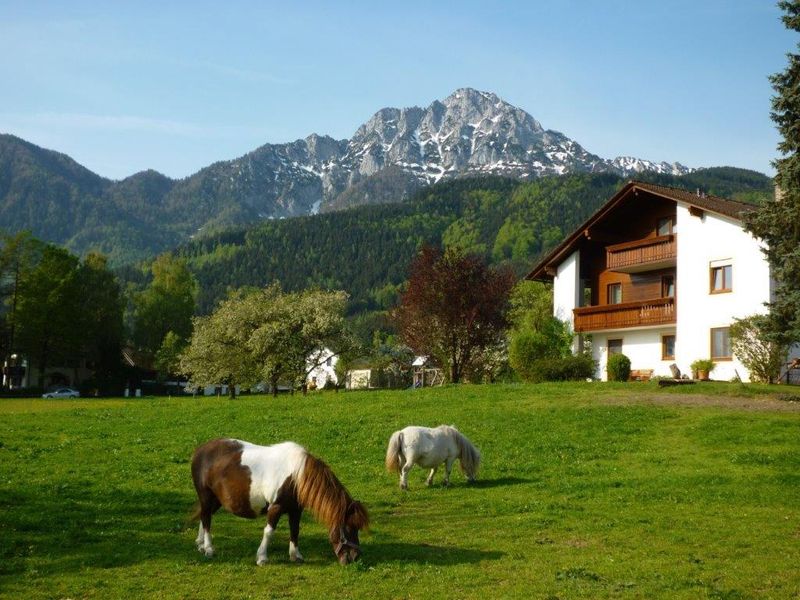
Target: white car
column 62, row 393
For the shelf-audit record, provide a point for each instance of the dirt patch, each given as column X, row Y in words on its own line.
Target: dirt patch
column 756, row 404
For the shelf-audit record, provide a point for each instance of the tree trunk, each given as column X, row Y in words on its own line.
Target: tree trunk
column 274, row 384
column 43, row 364
column 455, row 373
column 232, row 391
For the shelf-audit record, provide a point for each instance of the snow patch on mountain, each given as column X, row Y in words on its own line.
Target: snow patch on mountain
column 468, row 133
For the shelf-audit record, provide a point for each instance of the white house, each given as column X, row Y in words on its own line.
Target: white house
column 659, row 274
column 322, row 368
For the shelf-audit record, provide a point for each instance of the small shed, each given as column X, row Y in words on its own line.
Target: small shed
column 426, row 374
column 359, row 379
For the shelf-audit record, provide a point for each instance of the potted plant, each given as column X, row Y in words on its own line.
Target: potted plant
column 702, row 367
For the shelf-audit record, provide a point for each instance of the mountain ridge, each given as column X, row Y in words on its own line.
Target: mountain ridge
column 390, row 156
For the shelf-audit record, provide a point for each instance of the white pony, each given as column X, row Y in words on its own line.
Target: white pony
column 429, row 448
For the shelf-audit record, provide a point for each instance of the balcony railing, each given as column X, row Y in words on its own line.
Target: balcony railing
column 629, row 314
column 650, row 252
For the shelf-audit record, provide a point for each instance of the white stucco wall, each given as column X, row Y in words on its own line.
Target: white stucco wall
column 322, row 365
column 642, row 346
column 566, row 288
column 701, row 241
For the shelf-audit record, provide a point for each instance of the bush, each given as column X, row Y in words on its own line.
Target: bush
column 525, row 349
column 552, row 340
column 567, row 368
column 618, row 367
column 760, row 355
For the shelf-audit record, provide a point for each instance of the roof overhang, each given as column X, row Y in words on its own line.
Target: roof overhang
column 546, row 269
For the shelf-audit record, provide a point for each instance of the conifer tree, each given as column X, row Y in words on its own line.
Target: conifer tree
column 777, row 221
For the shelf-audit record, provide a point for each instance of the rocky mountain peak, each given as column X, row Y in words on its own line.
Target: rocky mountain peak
column 398, row 150
column 395, row 152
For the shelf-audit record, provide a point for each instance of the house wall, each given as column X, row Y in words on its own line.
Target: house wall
column 358, row 379
column 322, row 365
column 702, row 240
column 567, row 291
column 72, row 376
column 642, row 346
column 566, row 288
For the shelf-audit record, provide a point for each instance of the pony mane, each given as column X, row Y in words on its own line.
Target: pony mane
column 319, row 490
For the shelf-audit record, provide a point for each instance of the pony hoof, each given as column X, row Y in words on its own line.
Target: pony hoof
column 261, row 562
column 298, row 560
column 209, row 552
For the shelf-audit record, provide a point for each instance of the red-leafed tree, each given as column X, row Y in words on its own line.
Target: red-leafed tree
column 454, row 308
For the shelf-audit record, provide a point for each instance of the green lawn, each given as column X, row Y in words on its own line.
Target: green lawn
column 587, row 491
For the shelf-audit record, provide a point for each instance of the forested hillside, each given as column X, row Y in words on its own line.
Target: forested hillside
column 366, row 251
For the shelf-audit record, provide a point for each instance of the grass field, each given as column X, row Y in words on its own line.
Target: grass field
column 587, row 491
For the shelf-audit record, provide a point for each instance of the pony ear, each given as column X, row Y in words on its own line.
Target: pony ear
column 357, row 515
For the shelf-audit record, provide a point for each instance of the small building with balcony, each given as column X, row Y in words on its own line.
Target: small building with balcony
column 659, row 274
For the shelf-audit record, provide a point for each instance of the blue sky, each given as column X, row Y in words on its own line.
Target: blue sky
column 176, row 86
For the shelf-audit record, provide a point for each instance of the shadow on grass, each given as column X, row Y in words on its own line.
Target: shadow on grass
column 63, row 528
column 382, row 552
column 499, row 482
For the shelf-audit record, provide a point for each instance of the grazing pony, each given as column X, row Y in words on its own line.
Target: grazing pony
column 249, row 480
column 429, row 448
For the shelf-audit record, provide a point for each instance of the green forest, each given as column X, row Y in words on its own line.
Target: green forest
column 366, row 251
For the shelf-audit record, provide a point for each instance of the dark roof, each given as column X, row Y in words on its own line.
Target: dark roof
column 728, row 208
column 133, row 358
column 723, row 206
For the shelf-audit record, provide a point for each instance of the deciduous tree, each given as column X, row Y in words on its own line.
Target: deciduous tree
column 167, row 304
column 218, row 351
column 100, row 314
column 264, row 335
column 454, row 308
column 47, row 317
column 18, row 254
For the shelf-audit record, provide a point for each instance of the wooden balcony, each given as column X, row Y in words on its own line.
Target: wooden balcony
column 660, row 311
column 642, row 255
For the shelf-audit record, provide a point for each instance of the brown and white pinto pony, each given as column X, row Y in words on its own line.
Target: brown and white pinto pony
column 249, row 480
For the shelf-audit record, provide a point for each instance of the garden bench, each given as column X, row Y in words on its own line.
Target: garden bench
column 641, row 374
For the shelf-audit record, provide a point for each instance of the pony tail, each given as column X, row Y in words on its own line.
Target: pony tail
column 394, row 452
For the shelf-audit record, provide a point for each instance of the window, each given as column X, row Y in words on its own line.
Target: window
column 720, row 343
column 667, row 347
column 721, row 279
column 587, row 295
column 614, row 293
column 664, row 226
column 668, row 286
column 614, row 347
